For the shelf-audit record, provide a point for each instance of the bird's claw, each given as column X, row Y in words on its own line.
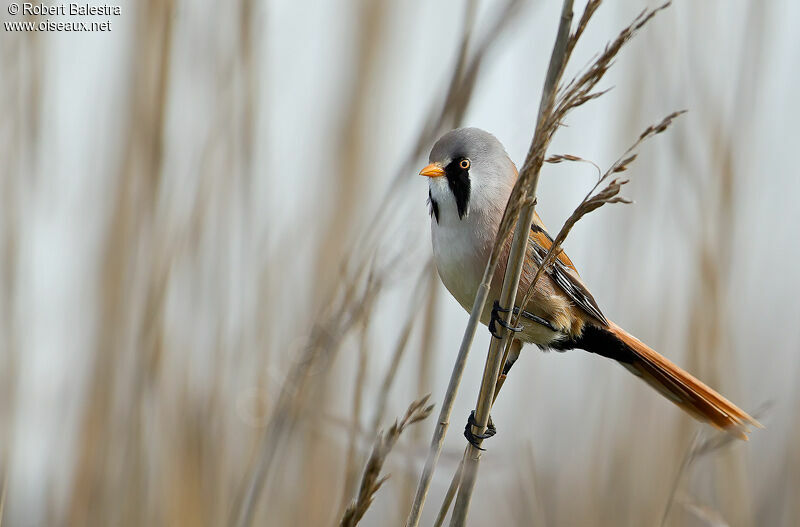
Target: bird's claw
column 495, row 319
column 474, row 438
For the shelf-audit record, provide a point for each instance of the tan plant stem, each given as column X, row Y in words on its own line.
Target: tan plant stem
column 516, row 261
column 491, row 369
column 372, row 479
column 555, row 104
column 449, row 398
column 451, row 493
column 469, row 333
column 456, row 481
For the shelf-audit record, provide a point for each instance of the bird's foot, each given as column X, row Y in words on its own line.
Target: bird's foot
column 496, row 310
column 539, row 320
column 474, row 438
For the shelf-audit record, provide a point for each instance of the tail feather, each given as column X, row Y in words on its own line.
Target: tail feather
column 676, row 384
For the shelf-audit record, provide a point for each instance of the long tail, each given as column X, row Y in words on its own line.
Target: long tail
column 674, row 383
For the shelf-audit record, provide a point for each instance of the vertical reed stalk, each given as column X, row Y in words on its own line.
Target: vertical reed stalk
column 516, row 261
column 532, row 165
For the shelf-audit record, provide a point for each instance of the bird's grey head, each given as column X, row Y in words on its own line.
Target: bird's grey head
column 469, row 170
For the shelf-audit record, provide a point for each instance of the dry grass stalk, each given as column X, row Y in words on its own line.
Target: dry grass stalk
column 698, row 448
column 553, row 110
column 463, row 84
column 593, row 201
column 491, row 372
column 140, row 174
column 450, row 494
column 425, row 374
column 709, row 351
column 456, row 481
column 556, row 105
column 352, row 463
column 327, row 335
column 351, row 175
column 554, row 74
column 344, row 313
column 447, row 407
column 526, row 197
column 690, row 504
column 371, row 481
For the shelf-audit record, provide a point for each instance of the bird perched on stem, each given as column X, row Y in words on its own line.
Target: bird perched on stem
column 470, row 180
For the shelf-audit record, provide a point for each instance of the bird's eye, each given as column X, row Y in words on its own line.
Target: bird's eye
column 464, row 164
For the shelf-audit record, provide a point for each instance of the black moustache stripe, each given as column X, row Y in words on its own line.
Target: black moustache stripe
column 458, row 181
column 434, row 210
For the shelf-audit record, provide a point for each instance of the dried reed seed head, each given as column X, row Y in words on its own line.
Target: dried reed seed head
column 609, row 194
column 588, row 11
column 660, row 127
column 384, row 442
column 575, row 93
column 578, row 90
column 621, row 166
column 558, row 158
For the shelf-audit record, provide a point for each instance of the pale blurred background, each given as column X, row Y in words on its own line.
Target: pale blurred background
column 216, row 203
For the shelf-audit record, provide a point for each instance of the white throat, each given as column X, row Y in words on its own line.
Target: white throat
column 461, row 245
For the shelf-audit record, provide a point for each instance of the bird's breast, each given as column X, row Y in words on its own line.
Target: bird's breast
column 461, row 249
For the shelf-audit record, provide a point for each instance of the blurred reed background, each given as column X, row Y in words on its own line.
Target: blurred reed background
column 216, row 277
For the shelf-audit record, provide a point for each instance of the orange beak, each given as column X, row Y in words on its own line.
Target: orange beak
column 432, row 170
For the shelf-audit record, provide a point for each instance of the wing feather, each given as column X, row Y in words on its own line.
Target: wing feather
column 563, row 272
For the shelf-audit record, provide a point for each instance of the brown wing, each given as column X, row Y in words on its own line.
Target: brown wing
column 543, row 240
column 563, row 272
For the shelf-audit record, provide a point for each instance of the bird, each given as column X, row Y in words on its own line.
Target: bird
column 470, row 178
